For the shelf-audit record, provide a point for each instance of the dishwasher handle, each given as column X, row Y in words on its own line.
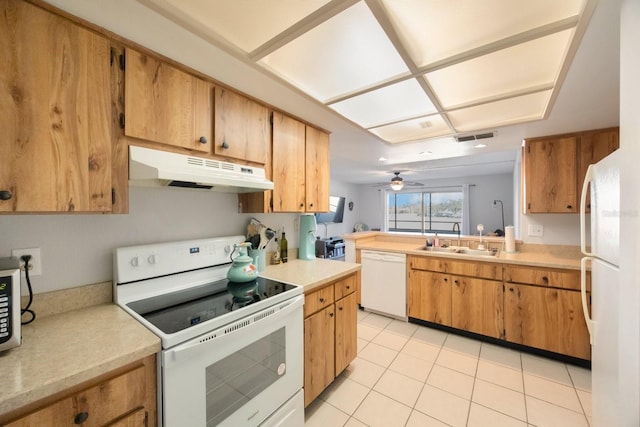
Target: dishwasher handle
column 383, row 256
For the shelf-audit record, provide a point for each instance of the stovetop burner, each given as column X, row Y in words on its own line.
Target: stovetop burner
column 180, row 310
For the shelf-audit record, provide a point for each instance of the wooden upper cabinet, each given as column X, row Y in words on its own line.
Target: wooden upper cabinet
column 288, row 164
column 317, row 170
column 55, row 113
column 550, row 167
column 554, row 168
column 166, row 105
column 242, row 129
column 595, row 146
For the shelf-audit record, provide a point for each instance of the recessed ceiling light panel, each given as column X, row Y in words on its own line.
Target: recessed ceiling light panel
column 501, row 113
column 392, row 103
column 411, row 130
column 344, row 54
column 435, row 30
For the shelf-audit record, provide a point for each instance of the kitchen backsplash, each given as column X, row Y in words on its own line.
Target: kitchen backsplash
column 76, row 249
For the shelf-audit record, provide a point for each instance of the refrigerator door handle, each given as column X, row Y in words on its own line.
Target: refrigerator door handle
column 583, row 293
column 583, row 211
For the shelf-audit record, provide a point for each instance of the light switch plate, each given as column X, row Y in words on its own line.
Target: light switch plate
column 536, row 230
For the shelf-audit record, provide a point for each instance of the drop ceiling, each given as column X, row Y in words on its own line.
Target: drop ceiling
column 404, row 70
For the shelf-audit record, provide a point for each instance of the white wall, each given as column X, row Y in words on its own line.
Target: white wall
column 77, row 249
column 481, row 195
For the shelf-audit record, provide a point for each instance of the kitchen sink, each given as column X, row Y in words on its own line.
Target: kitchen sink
column 462, row 250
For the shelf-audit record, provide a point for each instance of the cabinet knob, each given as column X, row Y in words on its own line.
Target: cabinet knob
column 340, row 308
column 321, row 299
column 80, row 417
column 348, row 287
column 331, row 314
column 302, row 205
column 225, row 145
column 5, row 195
column 569, row 207
column 310, row 205
column 446, row 280
column 203, row 140
column 457, row 282
column 545, row 279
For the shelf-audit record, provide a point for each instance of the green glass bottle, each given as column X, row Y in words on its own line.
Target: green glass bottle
column 283, row 248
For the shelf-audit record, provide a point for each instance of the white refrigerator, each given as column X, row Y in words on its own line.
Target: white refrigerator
column 603, row 256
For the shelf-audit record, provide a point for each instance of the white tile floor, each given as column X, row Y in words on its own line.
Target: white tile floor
column 408, row 375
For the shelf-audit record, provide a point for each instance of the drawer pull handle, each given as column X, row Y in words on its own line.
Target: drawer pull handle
column 80, row 417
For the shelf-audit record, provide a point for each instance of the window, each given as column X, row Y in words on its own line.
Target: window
column 425, row 211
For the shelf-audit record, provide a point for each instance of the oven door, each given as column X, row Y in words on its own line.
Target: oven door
column 237, row 375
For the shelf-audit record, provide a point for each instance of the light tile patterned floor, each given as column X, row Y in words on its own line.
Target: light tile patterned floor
column 407, row 375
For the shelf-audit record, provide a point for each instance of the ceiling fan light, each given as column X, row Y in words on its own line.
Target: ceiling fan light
column 397, row 185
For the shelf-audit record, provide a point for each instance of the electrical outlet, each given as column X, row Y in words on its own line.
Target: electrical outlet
column 536, row 230
column 35, row 263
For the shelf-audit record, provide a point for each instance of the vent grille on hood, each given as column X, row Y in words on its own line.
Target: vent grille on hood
column 149, row 167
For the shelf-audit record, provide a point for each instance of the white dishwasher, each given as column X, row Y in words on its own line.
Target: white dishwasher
column 384, row 283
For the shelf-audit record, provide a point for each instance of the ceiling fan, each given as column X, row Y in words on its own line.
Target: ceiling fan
column 397, row 183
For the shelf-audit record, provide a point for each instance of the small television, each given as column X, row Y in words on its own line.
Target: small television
column 336, row 211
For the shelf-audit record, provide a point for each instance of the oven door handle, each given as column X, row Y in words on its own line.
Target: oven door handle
column 183, row 351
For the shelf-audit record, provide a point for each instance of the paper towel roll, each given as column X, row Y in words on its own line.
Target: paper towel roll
column 509, row 239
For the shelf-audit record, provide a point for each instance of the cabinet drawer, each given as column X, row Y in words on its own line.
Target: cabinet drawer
column 484, row 270
column 565, row 279
column 98, row 405
column 345, row 287
column 318, row 300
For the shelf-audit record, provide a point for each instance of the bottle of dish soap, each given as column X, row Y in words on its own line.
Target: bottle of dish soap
column 436, row 241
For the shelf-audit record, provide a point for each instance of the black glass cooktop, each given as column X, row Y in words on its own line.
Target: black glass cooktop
column 180, row 310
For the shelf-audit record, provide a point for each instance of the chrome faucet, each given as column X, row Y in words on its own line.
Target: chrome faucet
column 457, row 225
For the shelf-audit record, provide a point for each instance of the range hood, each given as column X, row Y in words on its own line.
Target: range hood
column 155, row 168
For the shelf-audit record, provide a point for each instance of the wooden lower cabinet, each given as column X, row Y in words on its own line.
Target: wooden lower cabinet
column 346, row 345
column 330, row 334
column 319, row 346
column 126, row 399
column 546, row 318
column 429, row 297
column 532, row 306
column 477, row 306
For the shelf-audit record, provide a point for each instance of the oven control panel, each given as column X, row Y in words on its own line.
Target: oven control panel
column 134, row 263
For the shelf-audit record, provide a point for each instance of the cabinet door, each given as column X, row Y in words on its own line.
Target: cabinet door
column 166, row 105
column 429, row 297
column 550, row 171
column 346, row 332
column 546, row 318
column 317, row 170
column 595, row 146
column 319, row 347
column 477, row 306
column 288, row 164
column 55, row 106
column 97, row 405
column 242, row 128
